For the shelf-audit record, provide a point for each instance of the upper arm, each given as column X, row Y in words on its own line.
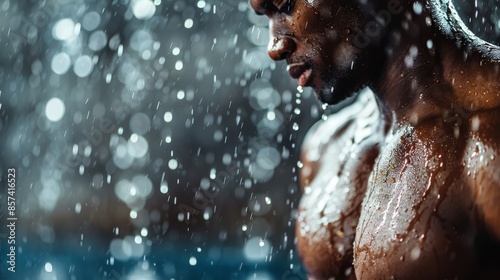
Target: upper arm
column 483, row 170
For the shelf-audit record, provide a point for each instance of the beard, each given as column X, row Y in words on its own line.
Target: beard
column 333, row 86
column 337, row 75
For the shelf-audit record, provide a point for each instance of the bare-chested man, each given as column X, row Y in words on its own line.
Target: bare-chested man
column 405, row 182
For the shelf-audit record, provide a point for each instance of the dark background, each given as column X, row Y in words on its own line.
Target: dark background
column 175, row 155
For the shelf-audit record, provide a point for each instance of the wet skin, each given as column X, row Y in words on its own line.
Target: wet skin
column 405, row 182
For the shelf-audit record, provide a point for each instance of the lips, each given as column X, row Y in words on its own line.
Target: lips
column 301, row 72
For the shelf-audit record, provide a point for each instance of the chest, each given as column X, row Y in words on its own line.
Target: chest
column 415, row 216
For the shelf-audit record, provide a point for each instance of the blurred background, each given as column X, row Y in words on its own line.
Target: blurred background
column 153, row 139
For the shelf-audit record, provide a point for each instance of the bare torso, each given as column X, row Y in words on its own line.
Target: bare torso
column 409, row 202
column 338, row 156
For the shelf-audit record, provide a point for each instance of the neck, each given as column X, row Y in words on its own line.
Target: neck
column 452, row 70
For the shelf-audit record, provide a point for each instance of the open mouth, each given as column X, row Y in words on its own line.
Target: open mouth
column 301, row 72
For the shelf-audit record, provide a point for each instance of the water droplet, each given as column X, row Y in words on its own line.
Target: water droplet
column 164, row 188
column 91, row 21
column 143, row 9
column 61, row 63
column 188, row 23
column 78, row 208
column 421, row 239
column 167, row 117
column 64, row 29
column 97, row 40
column 430, row 44
column 133, row 214
column 415, row 253
column 83, row 66
column 48, row 267
column 268, row 200
column 172, row 164
column 179, row 65
column 54, row 110
column 176, row 51
column 417, row 8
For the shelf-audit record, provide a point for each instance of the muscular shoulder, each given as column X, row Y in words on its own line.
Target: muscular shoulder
column 329, row 142
column 482, row 167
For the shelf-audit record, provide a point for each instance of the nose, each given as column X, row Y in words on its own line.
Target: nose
column 280, row 47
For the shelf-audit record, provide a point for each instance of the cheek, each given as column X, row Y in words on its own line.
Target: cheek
column 329, row 49
column 343, row 56
column 332, row 35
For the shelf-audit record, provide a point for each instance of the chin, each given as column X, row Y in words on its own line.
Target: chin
column 332, row 86
column 332, row 95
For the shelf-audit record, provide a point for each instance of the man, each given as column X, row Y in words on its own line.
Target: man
column 405, row 182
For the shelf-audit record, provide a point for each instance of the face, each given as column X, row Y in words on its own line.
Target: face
column 324, row 43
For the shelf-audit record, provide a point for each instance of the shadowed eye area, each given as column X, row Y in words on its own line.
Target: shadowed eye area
column 265, row 7
column 285, row 6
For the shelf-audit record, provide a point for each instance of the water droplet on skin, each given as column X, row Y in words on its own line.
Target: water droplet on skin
column 415, row 253
column 421, row 239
